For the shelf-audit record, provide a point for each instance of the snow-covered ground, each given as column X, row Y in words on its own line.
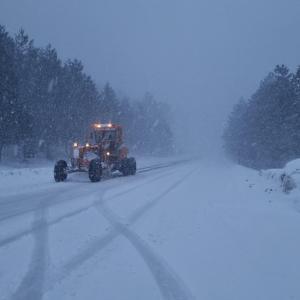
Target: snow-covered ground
column 190, row 230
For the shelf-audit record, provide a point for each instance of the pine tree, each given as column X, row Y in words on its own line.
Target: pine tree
column 264, row 133
column 8, row 85
column 110, row 105
column 26, row 61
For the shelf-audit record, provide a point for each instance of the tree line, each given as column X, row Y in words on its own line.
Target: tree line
column 264, row 131
column 45, row 104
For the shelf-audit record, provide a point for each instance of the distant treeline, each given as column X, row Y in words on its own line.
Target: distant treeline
column 264, row 132
column 45, row 104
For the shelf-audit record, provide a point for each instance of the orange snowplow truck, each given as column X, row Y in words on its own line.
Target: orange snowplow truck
column 101, row 155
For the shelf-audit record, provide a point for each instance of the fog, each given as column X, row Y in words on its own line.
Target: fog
column 199, row 56
column 95, row 200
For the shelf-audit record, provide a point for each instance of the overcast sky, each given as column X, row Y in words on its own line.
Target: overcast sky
column 198, row 55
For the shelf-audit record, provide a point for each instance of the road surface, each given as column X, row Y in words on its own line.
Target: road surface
column 179, row 230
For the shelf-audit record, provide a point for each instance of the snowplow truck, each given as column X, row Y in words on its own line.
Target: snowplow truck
column 102, row 154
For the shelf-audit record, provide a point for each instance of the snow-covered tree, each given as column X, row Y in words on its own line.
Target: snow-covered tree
column 45, row 104
column 264, row 132
column 8, row 98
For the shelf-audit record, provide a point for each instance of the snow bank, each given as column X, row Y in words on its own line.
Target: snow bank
column 287, row 178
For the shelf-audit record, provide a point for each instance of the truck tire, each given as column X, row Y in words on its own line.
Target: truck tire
column 60, row 171
column 128, row 166
column 95, row 170
column 132, row 165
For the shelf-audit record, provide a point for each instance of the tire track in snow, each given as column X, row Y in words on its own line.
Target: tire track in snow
column 161, row 166
column 33, row 284
column 169, row 283
column 37, row 226
column 12, row 210
column 19, row 235
column 19, row 205
column 31, row 287
column 171, row 286
column 100, row 243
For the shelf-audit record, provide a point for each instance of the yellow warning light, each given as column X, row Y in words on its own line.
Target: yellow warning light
column 98, row 125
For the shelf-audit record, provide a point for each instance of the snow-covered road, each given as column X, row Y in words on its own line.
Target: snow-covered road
column 183, row 230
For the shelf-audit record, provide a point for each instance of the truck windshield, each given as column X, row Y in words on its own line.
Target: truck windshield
column 107, row 135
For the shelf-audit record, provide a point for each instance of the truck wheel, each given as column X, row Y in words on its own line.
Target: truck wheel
column 60, row 171
column 132, row 165
column 125, row 167
column 128, row 166
column 95, row 170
